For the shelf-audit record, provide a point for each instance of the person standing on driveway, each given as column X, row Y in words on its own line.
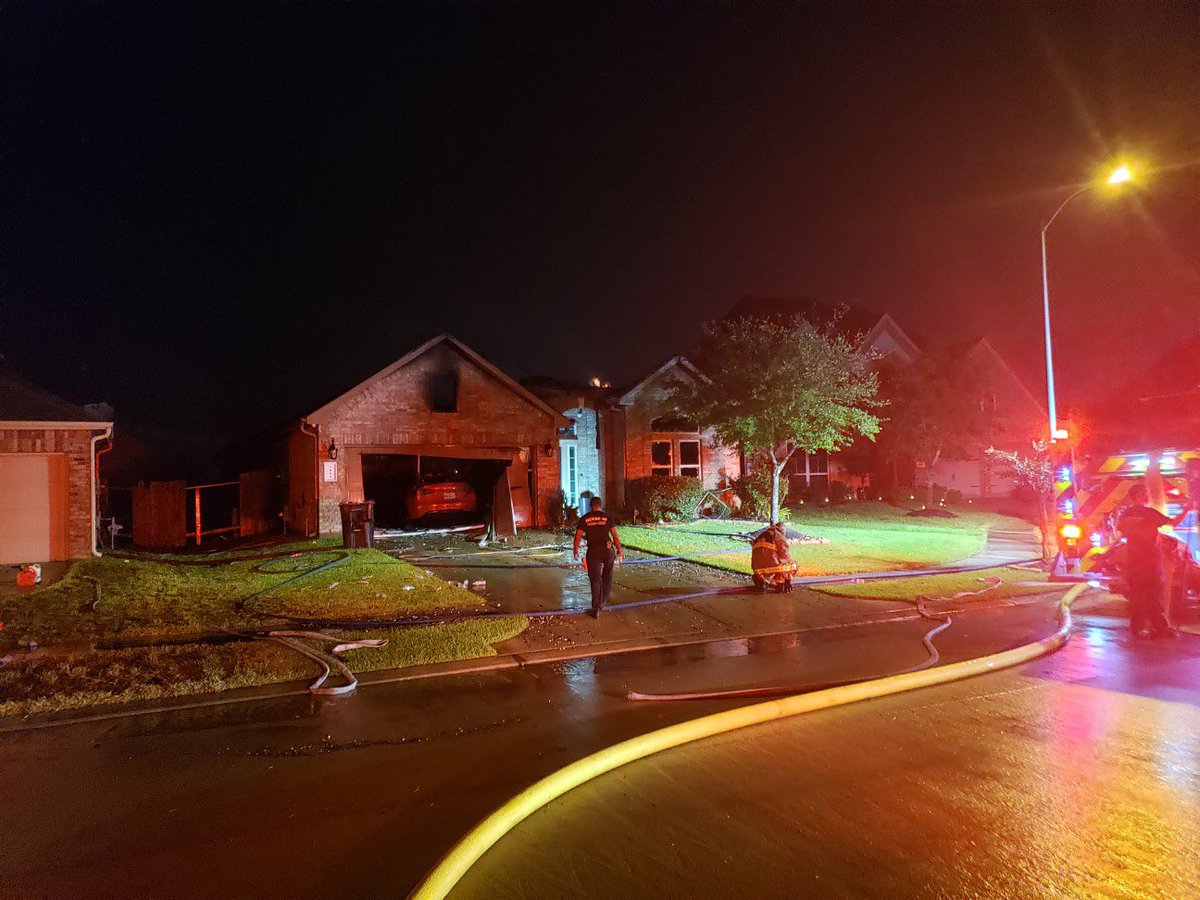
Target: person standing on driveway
column 1143, row 563
column 600, row 531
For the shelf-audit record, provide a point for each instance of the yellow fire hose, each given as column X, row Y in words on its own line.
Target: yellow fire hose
column 458, row 861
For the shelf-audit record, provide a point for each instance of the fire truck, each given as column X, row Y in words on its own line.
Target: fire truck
column 1089, row 494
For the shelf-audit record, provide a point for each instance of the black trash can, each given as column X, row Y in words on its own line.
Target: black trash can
column 358, row 523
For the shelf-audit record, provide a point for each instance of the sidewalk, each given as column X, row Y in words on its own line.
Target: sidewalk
column 519, row 583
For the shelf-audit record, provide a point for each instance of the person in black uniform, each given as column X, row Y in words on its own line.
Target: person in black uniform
column 601, row 533
column 1143, row 563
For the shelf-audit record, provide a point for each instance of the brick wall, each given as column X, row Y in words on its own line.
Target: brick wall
column 76, row 447
column 649, row 404
column 394, row 414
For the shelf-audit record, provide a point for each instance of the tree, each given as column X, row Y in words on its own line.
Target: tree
column 937, row 407
column 780, row 387
column 1034, row 472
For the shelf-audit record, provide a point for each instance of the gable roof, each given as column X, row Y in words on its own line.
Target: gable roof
column 681, row 361
column 983, row 347
column 852, row 321
column 888, row 325
column 445, row 338
column 23, row 401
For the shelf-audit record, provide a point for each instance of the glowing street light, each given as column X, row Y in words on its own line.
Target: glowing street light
column 1120, row 175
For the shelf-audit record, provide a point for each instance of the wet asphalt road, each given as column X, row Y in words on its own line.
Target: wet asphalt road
column 1078, row 775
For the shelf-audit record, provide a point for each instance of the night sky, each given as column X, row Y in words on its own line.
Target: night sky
column 218, row 215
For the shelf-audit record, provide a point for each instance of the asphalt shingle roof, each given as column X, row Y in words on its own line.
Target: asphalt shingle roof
column 21, row 401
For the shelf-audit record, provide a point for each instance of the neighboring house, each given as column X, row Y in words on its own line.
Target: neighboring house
column 876, row 335
column 1017, row 416
column 48, row 478
column 620, row 435
column 443, row 412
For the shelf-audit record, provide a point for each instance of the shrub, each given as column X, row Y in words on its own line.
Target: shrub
column 839, row 492
column 754, row 488
column 664, row 497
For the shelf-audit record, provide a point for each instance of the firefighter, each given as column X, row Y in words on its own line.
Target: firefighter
column 771, row 561
column 601, row 533
column 1143, row 563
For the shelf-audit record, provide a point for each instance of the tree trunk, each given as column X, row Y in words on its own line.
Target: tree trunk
column 777, row 467
column 1044, row 526
column 929, row 477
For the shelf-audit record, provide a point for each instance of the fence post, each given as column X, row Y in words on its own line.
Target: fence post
column 199, row 527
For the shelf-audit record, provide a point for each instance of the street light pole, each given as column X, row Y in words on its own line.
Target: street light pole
column 1051, row 405
column 1120, row 175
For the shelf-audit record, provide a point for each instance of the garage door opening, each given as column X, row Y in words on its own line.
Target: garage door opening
column 429, row 491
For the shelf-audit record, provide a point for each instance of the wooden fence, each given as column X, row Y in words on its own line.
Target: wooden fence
column 162, row 510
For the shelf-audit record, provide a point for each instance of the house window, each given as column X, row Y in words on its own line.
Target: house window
column 689, row 459
column 810, row 470
column 660, row 458
column 675, row 457
column 443, row 391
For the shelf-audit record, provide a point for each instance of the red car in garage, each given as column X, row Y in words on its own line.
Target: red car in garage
column 440, row 496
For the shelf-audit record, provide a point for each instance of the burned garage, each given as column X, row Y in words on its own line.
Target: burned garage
column 441, row 436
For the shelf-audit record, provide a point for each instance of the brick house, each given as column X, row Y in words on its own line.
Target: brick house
column 441, row 409
column 1017, row 416
column 878, row 336
column 616, row 436
column 621, row 435
column 649, row 440
column 48, row 474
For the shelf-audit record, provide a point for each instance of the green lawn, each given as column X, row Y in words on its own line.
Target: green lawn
column 178, row 670
column 860, row 537
column 1012, row 583
column 152, row 599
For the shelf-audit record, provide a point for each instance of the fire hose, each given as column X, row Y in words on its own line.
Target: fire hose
column 290, row 639
column 457, row 862
column 932, row 659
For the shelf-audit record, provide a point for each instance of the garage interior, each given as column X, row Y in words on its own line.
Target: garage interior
column 390, row 478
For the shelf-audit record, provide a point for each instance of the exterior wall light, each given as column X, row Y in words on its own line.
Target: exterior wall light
column 333, row 450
